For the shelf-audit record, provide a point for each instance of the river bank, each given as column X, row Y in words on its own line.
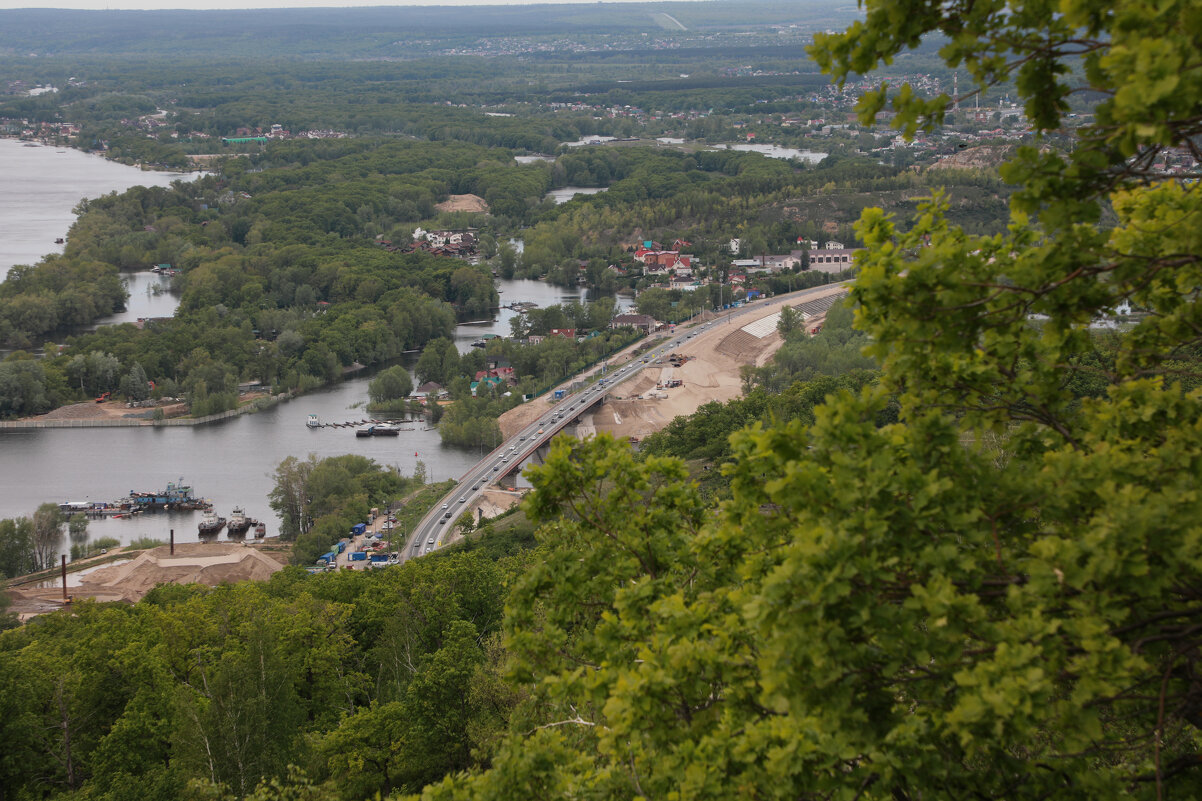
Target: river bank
column 112, row 414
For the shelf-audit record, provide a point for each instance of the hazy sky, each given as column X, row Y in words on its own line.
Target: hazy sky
column 247, row 4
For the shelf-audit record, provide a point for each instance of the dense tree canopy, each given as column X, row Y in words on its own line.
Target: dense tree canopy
column 991, row 597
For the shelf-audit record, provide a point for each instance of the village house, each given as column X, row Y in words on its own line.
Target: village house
column 484, row 384
column 439, row 239
column 439, row 243
column 661, row 262
column 644, row 321
column 778, row 264
column 504, row 373
column 430, row 391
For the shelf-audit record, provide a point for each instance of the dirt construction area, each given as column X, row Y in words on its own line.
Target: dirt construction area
column 109, row 410
column 130, row 578
column 710, row 371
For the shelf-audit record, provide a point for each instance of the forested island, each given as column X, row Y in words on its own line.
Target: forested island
column 942, row 548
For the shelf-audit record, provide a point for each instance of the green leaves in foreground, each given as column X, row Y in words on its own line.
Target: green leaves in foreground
column 883, row 612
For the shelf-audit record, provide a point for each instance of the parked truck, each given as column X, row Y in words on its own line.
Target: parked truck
column 358, row 528
column 358, row 556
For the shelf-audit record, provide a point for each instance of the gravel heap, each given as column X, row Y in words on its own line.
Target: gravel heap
column 193, row 563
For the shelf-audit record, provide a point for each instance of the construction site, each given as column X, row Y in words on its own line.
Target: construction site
column 707, row 367
column 128, row 576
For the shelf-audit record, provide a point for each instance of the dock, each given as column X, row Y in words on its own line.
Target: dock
column 358, row 423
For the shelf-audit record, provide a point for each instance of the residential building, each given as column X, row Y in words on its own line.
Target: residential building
column 644, row 321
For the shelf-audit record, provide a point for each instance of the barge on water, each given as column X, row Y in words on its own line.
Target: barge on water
column 176, row 497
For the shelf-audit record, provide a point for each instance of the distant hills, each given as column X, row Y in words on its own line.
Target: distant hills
column 377, row 32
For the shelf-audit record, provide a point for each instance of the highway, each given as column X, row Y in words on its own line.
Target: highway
column 434, row 529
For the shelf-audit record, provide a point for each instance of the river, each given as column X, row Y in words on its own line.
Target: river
column 42, row 186
column 525, row 290
column 230, row 463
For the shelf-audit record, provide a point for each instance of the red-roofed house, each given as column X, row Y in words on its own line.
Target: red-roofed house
column 503, row 373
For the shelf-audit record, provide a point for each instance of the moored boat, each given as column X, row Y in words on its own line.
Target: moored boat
column 260, row 530
column 238, row 523
column 313, row 422
column 385, row 430
column 211, row 524
column 365, row 431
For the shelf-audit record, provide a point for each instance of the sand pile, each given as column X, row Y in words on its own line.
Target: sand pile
column 76, row 411
column 742, row 346
column 193, row 563
column 495, row 501
column 519, row 417
column 472, row 203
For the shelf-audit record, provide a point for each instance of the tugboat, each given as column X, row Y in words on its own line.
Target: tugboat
column 211, row 524
column 313, row 422
column 238, row 523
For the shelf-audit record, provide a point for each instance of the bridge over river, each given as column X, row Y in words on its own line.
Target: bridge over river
column 757, row 320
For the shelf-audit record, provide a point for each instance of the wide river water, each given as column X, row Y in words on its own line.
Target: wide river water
column 42, row 186
column 230, row 463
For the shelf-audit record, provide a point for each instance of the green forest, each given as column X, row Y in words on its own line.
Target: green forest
column 945, row 549
column 285, row 277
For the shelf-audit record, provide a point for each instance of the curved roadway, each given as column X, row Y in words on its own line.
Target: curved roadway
column 440, row 521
